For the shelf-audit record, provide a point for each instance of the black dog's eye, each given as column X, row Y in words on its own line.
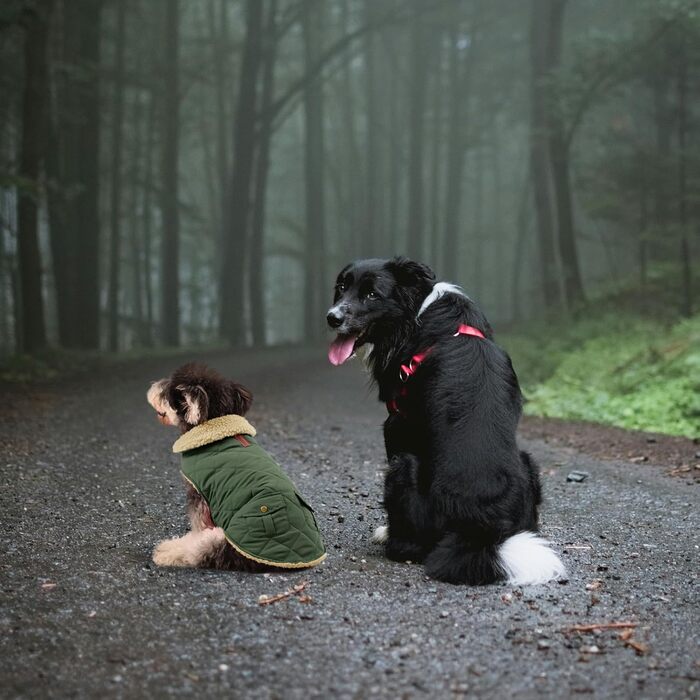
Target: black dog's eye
column 340, row 287
column 371, row 295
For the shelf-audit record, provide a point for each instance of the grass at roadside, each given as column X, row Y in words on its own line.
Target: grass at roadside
column 621, row 368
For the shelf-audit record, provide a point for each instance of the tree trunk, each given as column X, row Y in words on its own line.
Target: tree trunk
column 370, row 228
column 237, row 215
column 643, row 227
column 522, row 226
column 354, row 240
column 262, row 167
column 217, row 29
column 394, row 44
column 170, row 253
column 685, row 259
column 116, row 178
column 9, row 283
column 5, row 277
column 34, row 99
column 459, row 71
column 395, row 155
column 561, row 179
column 436, row 156
column 194, row 327
column 539, row 158
column 479, row 235
column 210, row 168
column 136, row 185
column 663, row 126
column 419, row 75
column 62, row 215
column 314, row 178
column 501, row 240
column 87, row 309
column 147, row 221
column 60, row 176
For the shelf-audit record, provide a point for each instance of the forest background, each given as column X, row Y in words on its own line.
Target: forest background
column 193, row 173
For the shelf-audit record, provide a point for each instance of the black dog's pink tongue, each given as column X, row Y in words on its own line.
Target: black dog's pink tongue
column 341, row 348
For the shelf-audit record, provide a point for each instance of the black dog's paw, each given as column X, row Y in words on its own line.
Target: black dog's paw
column 405, row 550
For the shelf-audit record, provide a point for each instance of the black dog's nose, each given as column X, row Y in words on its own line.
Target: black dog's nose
column 334, row 319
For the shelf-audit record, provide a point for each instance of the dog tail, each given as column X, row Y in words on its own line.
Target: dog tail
column 523, row 559
column 527, row 559
column 453, row 560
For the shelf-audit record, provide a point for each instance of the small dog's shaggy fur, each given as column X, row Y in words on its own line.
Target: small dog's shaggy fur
column 461, row 497
column 191, row 396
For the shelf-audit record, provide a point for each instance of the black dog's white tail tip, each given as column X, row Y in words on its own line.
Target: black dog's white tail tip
column 527, row 560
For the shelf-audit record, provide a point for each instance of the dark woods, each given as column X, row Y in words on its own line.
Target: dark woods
column 194, row 172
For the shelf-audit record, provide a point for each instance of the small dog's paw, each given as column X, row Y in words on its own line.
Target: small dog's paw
column 167, row 553
column 381, row 534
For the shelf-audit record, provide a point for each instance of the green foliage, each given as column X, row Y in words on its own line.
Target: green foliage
column 622, row 368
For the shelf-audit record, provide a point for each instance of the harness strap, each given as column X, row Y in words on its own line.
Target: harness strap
column 464, row 329
column 407, row 370
column 414, row 363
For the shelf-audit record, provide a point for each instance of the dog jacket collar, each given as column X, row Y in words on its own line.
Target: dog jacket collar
column 213, row 430
column 406, row 371
column 250, row 498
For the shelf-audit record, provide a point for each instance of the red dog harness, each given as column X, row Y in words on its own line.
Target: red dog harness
column 414, row 363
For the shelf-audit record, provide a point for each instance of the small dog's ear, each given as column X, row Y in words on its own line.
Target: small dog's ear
column 196, row 403
column 241, row 398
column 410, row 273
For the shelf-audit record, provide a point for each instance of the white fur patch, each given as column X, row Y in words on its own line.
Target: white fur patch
column 527, row 559
column 193, row 412
column 439, row 290
column 154, row 396
column 189, row 550
column 381, row 535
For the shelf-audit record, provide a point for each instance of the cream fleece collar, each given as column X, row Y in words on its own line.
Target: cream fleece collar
column 212, row 431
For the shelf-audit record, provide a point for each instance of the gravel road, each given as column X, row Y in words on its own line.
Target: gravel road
column 89, row 485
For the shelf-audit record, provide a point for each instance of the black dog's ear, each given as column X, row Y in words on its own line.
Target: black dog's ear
column 241, row 398
column 409, row 273
column 342, row 273
column 194, row 403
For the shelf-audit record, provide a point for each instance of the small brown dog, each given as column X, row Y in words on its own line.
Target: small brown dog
column 245, row 513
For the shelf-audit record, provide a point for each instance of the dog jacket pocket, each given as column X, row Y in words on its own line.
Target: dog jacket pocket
column 266, row 513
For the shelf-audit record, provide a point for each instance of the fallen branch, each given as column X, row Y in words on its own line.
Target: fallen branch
column 295, row 590
column 626, row 638
column 599, row 626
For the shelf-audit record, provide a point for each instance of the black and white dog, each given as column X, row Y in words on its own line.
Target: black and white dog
column 461, row 497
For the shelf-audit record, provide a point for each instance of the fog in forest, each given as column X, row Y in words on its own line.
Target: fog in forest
column 196, row 172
